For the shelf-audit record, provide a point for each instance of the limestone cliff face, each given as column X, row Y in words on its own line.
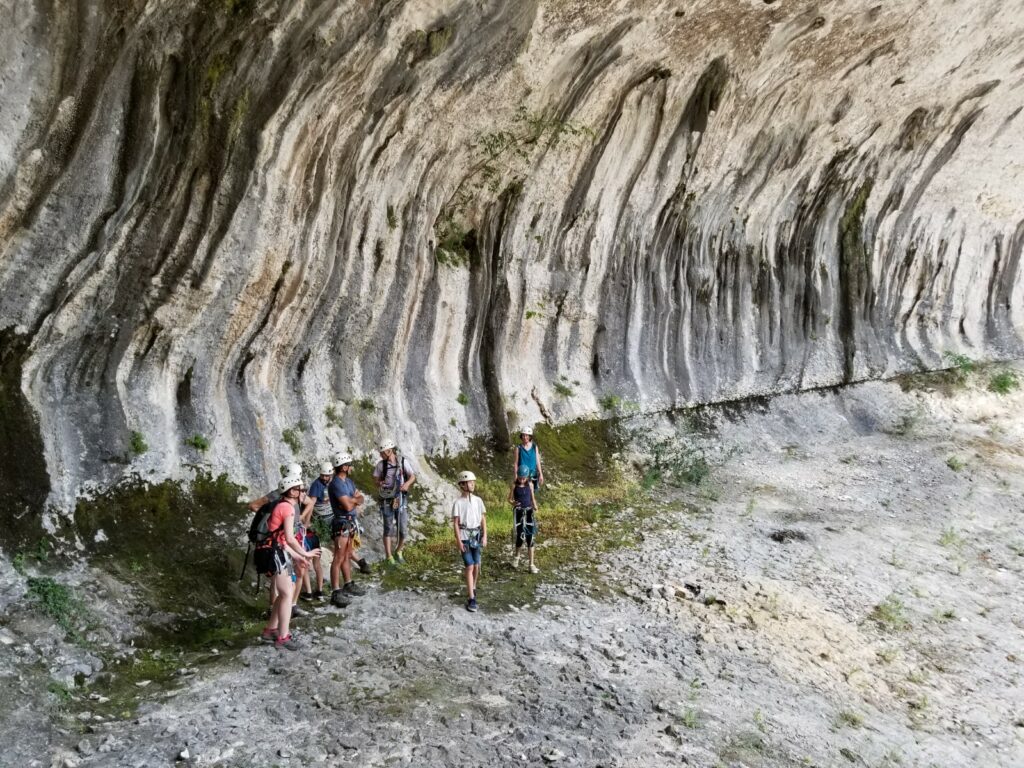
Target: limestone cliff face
column 229, row 217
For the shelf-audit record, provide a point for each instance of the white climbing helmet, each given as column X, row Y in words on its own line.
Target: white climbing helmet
column 341, row 459
column 387, row 445
column 292, row 470
column 326, row 468
column 466, row 476
column 288, row 483
column 524, row 430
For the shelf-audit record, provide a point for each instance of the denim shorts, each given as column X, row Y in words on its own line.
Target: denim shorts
column 471, row 555
column 395, row 518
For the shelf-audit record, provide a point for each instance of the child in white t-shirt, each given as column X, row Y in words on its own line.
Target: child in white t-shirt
column 469, row 521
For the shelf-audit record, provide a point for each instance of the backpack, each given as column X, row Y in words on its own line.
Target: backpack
column 389, row 492
column 259, row 528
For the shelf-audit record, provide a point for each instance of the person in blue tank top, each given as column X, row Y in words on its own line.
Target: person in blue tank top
column 524, row 511
column 527, row 456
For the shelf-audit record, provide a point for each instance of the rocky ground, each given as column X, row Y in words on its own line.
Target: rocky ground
column 842, row 588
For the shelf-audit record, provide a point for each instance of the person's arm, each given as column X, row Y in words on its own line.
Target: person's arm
column 255, row 504
column 404, row 488
column 512, row 494
column 483, row 525
column 307, row 510
column 458, row 534
column 291, row 543
column 533, row 499
column 515, row 463
column 540, row 469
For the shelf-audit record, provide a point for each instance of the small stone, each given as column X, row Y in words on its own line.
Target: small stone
column 553, row 756
column 184, row 754
column 85, row 747
column 283, row 752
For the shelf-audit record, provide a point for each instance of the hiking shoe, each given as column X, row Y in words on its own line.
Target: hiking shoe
column 339, row 600
column 515, row 563
column 399, row 558
column 364, row 567
column 353, row 589
column 534, row 568
column 287, row 643
column 268, row 636
column 307, row 596
column 391, row 561
column 297, row 612
column 471, row 605
column 318, row 595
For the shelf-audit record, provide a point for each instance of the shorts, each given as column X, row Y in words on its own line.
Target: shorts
column 311, row 541
column 343, row 526
column 270, row 561
column 471, row 555
column 395, row 517
column 525, row 526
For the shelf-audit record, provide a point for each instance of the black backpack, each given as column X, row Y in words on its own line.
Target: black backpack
column 259, row 528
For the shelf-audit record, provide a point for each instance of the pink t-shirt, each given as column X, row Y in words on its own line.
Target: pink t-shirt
column 276, row 525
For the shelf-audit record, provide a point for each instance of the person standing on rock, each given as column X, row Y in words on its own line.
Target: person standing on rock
column 270, row 497
column 273, row 558
column 395, row 475
column 524, row 511
column 345, row 501
column 469, row 521
column 527, row 456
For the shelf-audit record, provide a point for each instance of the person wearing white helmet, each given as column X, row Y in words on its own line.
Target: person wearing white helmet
column 469, row 521
column 316, row 516
column 271, row 497
column 273, row 556
column 527, row 456
column 345, row 501
column 395, row 475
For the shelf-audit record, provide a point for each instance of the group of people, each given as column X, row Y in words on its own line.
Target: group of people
column 293, row 520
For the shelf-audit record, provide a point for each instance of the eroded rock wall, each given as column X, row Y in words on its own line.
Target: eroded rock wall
column 231, row 217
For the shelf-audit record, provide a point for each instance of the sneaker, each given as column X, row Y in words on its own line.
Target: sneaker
column 268, row 636
column 399, row 558
column 515, row 563
column 297, row 612
column 391, row 561
column 364, row 567
column 318, row 595
column 287, row 643
column 534, row 568
column 307, row 596
column 339, row 600
column 353, row 589
column 471, row 605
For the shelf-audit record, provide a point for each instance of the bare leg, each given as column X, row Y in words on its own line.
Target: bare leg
column 283, row 605
column 319, row 571
column 469, row 581
column 343, row 558
column 336, row 562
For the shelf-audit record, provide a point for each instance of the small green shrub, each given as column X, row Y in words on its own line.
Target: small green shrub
column 610, row 402
column 563, row 389
column 462, row 399
column 532, row 313
column 56, row 601
column 962, row 364
column 849, row 719
column 198, row 442
column 955, row 463
column 366, row 404
column 392, row 218
column 292, row 439
column 1003, row 382
column 333, row 416
column 690, row 719
column 138, row 443
column 950, row 538
column 890, row 614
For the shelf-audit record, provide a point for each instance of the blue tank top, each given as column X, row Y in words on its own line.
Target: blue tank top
column 521, row 493
column 528, row 459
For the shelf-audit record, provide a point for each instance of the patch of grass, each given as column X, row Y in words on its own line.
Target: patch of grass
column 462, row 399
column 890, row 614
column 137, row 443
column 951, row 539
column 57, row 601
column 961, row 364
column 366, row 404
column 947, row 614
column 40, row 554
column 1004, row 382
column 676, row 466
column 198, row 442
column 610, row 402
column 849, row 719
column 905, row 425
column 564, row 390
column 392, row 217
column 292, row 436
column 955, row 463
column 532, row 313
column 690, row 719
